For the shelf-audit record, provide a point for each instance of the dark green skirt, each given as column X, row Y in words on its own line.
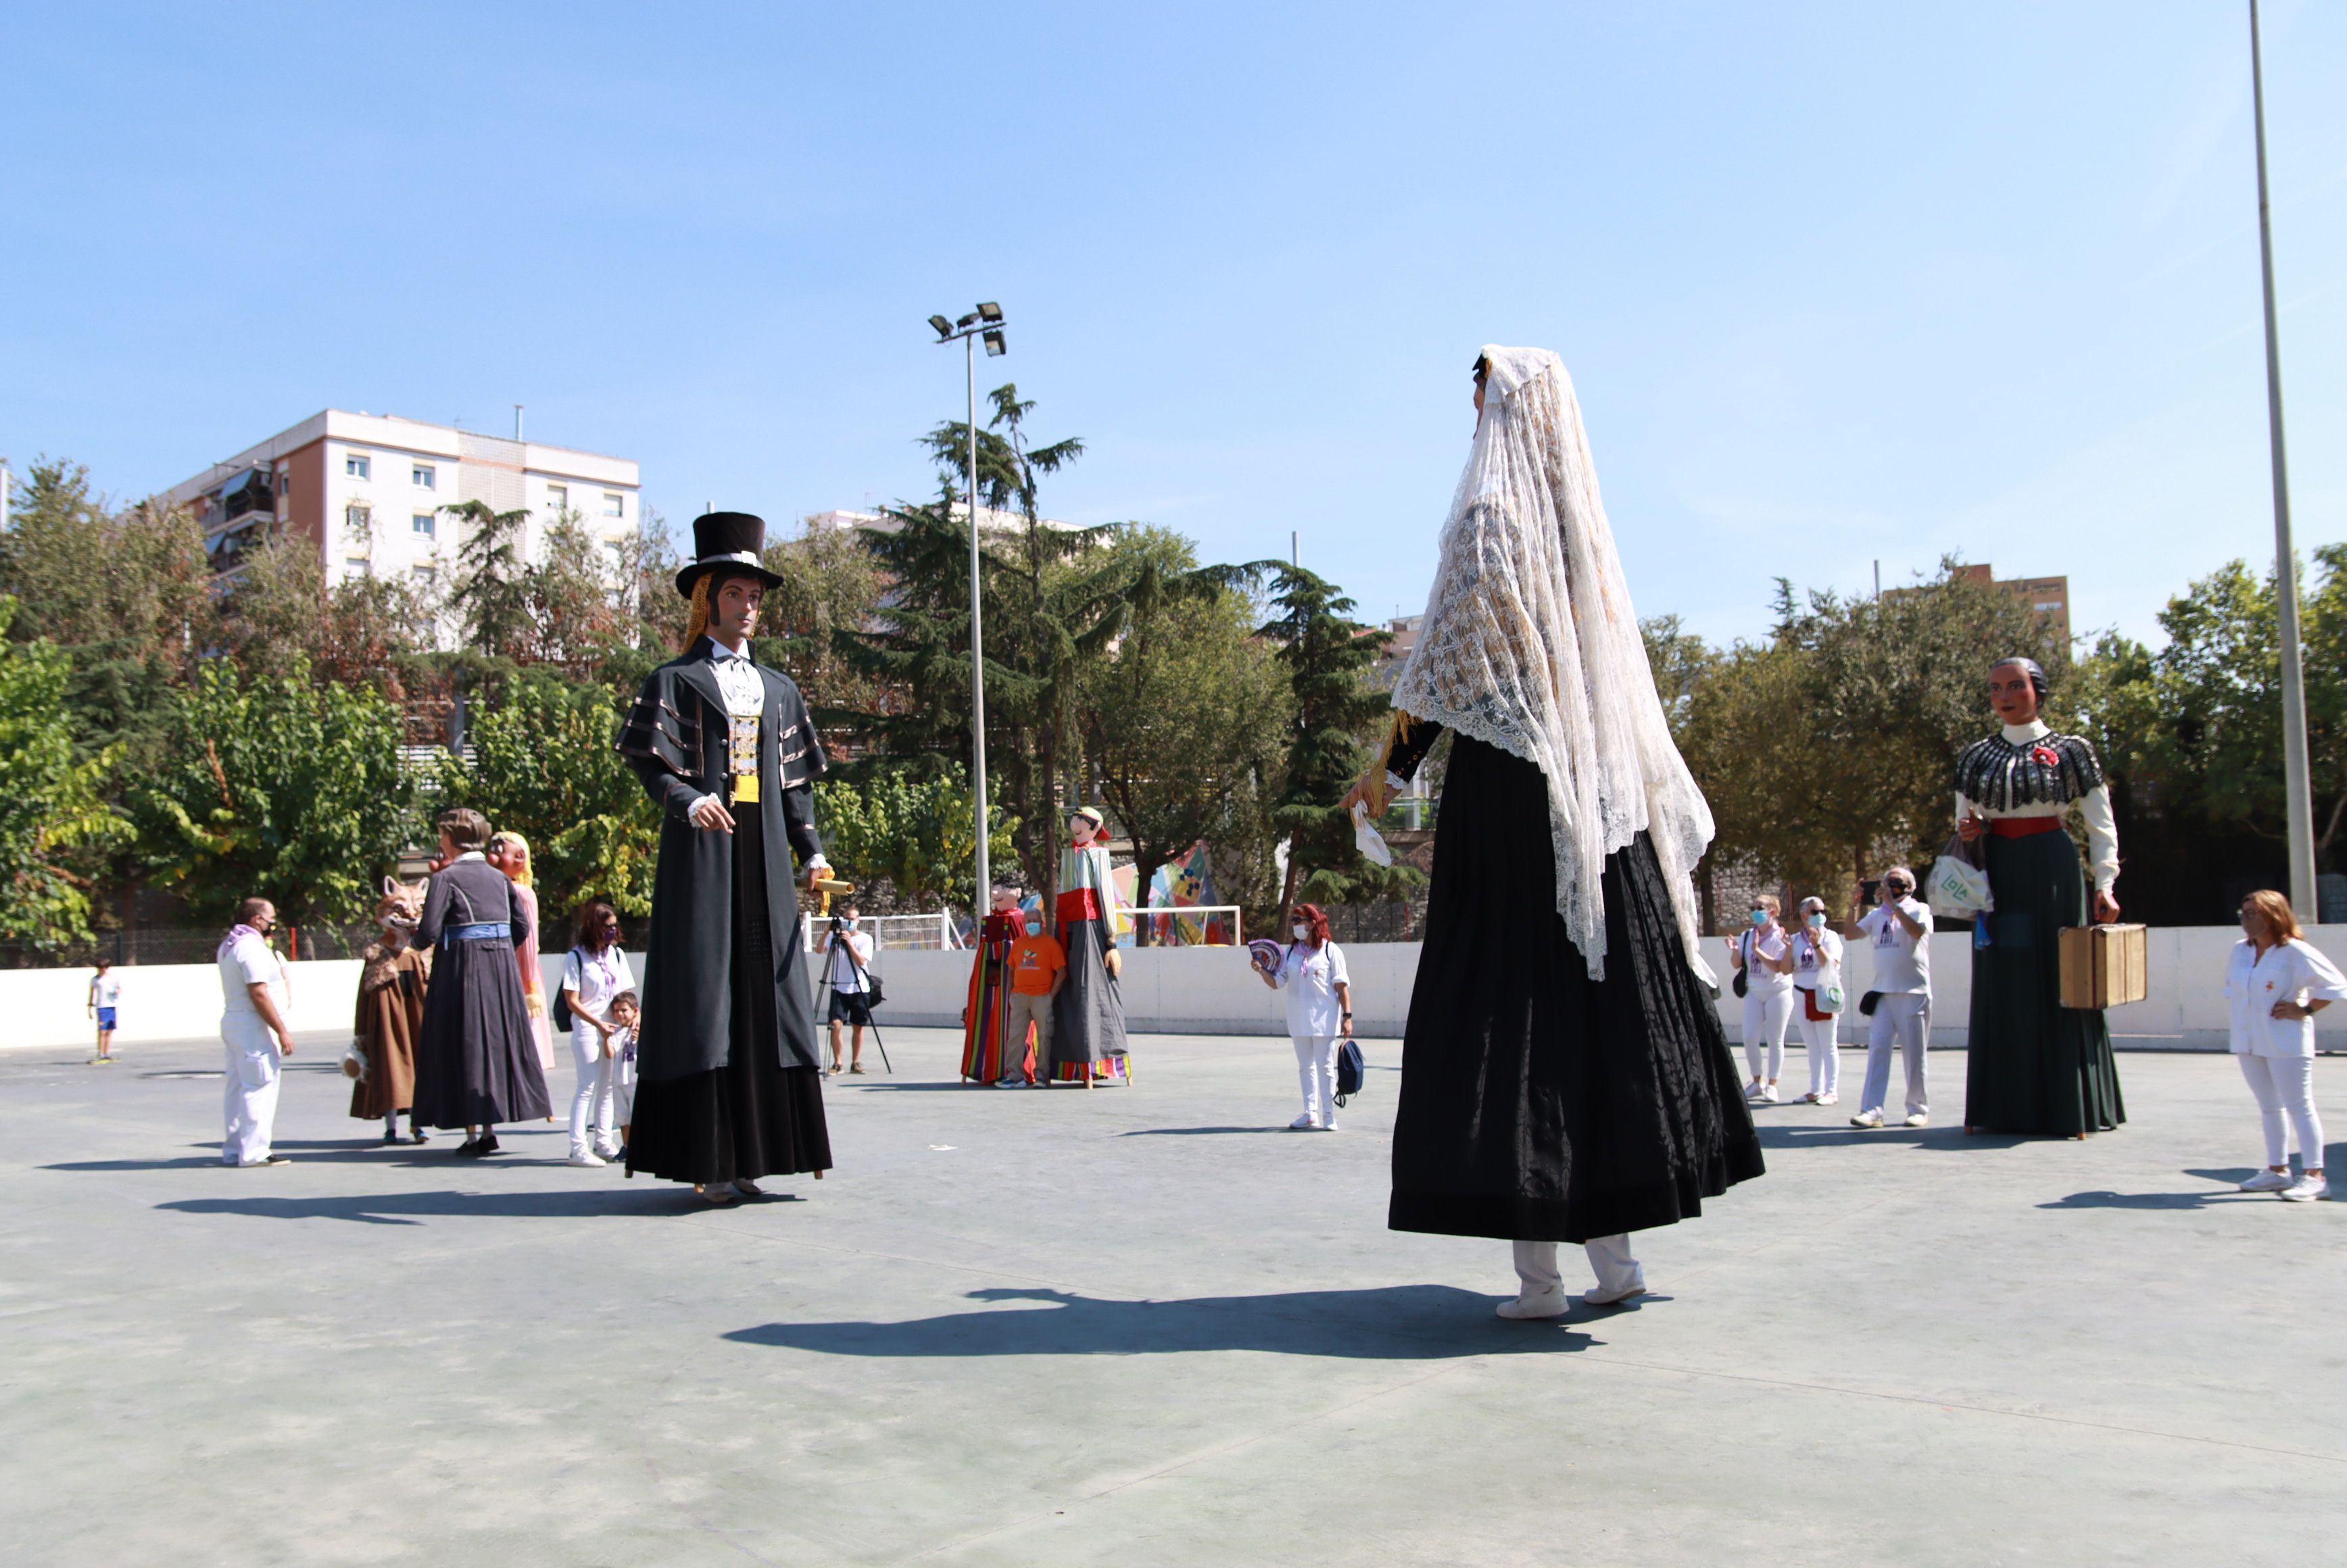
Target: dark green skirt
column 2035, row 1066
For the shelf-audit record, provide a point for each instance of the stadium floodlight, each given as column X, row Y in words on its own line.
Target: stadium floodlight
column 945, row 327
column 988, row 310
column 995, row 347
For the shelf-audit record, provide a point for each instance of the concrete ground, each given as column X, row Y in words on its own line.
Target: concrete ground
column 1145, row 1326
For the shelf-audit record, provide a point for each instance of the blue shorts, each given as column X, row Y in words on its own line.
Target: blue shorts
column 106, row 1018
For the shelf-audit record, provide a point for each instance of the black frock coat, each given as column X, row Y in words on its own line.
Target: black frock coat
column 675, row 739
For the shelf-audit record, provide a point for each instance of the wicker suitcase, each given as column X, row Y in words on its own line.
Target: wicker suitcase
column 2103, row 966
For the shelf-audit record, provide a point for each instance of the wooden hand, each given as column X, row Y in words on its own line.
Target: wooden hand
column 2107, row 908
column 1972, row 826
column 1372, row 788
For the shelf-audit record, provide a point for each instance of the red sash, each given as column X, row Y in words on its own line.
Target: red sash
column 2024, row 827
column 1079, row 904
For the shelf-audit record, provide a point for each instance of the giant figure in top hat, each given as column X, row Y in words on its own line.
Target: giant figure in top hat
column 728, row 1088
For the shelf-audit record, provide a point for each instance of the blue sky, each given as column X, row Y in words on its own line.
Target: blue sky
column 1838, row 282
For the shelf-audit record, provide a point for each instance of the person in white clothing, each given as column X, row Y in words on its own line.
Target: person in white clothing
column 1899, row 933
column 105, row 1005
column 595, row 972
column 1818, row 993
column 1764, row 957
column 254, row 995
column 849, row 966
column 2275, row 983
column 1320, row 1011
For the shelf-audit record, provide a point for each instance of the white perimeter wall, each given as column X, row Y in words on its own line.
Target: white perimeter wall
column 1167, row 990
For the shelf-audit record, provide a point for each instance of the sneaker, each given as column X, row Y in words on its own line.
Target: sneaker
column 607, row 1153
column 2269, row 1182
column 101, row 1061
column 418, row 1135
column 1916, row 1119
column 1867, row 1119
column 1768, row 1095
column 1614, row 1297
column 1547, row 1303
column 488, row 1145
column 1328, row 1126
column 1825, row 1098
column 1752, row 1090
column 2306, row 1189
column 583, row 1157
column 264, row 1160
column 1304, row 1124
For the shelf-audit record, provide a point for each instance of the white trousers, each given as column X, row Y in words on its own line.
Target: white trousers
column 1903, row 1018
column 2285, row 1086
column 597, row 1097
column 249, row 1105
column 1315, row 1070
column 1767, row 1015
column 1609, row 1259
column 1825, row 1061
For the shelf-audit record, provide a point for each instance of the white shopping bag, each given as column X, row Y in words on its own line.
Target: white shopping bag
column 1956, row 888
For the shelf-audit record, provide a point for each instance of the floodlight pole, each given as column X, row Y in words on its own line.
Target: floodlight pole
column 2299, row 795
column 969, row 329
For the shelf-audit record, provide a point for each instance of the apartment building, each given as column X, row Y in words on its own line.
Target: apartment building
column 367, row 490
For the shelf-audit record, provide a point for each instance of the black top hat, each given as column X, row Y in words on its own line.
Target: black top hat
column 735, row 541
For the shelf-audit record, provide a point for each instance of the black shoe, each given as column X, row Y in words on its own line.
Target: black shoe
column 488, row 1145
column 469, row 1149
column 390, row 1138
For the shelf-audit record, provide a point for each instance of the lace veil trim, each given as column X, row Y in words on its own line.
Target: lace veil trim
column 1530, row 645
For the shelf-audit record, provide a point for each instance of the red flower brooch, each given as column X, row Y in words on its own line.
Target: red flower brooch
column 2047, row 757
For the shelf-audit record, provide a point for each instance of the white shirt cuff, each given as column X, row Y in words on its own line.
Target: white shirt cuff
column 698, row 801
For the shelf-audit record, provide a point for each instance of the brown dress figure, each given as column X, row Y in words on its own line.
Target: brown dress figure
column 392, row 986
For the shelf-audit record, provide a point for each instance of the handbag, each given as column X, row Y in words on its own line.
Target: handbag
column 1742, row 985
column 1866, row 1004
column 873, row 996
column 1350, row 1070
column 1958, row 888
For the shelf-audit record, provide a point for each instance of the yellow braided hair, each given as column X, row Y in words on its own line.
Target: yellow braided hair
column 696, row 622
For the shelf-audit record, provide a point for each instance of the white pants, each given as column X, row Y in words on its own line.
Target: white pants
column 1767, row 1015
column 1825, row 1061
column 1609, row 1259
column 1905, row 1018
column 596, row 1097
column 2285, row 1086
column 1316, row 1070
column 249, row 1106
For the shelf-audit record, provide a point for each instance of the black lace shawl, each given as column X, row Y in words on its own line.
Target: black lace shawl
column 2002, row 776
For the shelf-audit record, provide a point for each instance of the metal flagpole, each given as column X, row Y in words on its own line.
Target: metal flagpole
column 2298, row 794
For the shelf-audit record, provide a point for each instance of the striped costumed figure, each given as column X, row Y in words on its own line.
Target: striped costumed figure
column 1088, row 1028
column 987, row 1055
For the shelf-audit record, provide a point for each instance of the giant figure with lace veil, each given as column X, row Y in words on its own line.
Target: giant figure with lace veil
column 727, row 1087
column 1564, row 1076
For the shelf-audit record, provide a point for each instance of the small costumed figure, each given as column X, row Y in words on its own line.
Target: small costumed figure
column 988, row 1053
column 391, row 985
column 1088, row 1031
column 728, row 1082
column 2033, row 1065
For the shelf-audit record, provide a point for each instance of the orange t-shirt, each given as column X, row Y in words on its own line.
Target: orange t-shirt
column 1033, row 961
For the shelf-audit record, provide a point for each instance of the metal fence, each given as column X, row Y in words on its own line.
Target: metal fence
column 931, row 932
column 186, row 945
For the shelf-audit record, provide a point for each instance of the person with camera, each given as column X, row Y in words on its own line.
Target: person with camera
column 1899, row 932
column 848, row 961
column 1816, row 989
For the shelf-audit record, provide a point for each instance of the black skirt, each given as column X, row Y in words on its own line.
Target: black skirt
column 753, row 1116
column 477, row 1063
column 2032, row 1065
column 1538, row 1104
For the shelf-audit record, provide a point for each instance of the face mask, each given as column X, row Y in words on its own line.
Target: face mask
column 1299, row 932
column 1818, row 920
column 1760, row 917
column 1034, row 927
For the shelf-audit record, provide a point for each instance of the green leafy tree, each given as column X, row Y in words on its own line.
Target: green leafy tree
column 492, row 590
column 52, row 820
column 920, row 831
column 1328, row 659
column 284, row 787
column 1186, row 724
column 543, row 766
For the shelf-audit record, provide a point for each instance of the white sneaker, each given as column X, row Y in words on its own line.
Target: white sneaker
column 1916, row 1119
column 1304, row 1124
column 1768, row 1095
column 607, row 1153
column 1328, row 1126
column 583, row 1157
column 1867, row 1119
column 1547, row 1303
column 2269, row 1182
column 1752, row 1090
column 1614, row 1297
column 2306, row 1189
column 1826, row 1099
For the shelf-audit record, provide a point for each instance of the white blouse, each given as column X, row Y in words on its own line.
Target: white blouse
column 2294, row 971
column 2093, row 806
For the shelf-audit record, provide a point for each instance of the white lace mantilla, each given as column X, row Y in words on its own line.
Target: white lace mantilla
column 1530, row 645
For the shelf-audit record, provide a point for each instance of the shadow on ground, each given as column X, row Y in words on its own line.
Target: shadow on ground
column 2227, row 1193
column 1392, row 1323
column 655, row 1198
